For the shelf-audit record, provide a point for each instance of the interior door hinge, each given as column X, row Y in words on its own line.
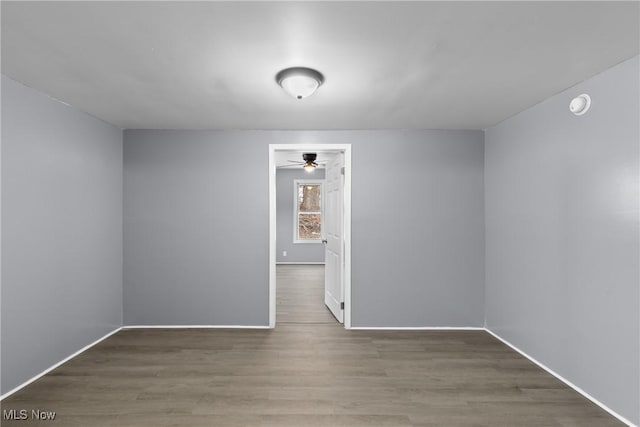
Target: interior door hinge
column 342, row 170
column 342, row 306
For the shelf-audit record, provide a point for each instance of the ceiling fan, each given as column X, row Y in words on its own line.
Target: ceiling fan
column 308, row 162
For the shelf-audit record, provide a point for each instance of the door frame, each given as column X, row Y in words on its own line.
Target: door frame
column 346, row 149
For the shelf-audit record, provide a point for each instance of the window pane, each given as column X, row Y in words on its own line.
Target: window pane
column 309, row 226
column 309, row 197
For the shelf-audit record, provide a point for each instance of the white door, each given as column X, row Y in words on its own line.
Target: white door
column 334, row 232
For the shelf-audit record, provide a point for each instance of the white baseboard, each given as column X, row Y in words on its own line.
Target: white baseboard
column 564, row 380
column 66, row 359
column 416, row 328
column 196, row 327
column 300, row 263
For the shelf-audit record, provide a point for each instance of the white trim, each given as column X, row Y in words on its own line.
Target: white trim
column 417, row 328
column 272, row 237
column 346, row 149
column 347, row 238
column 66, row 359
column 296, row 184
column 564, row 380
column 300, row 263
column 195, row 327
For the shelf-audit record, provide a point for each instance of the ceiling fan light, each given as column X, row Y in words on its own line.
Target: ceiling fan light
column 299, row 82
column 309, row 166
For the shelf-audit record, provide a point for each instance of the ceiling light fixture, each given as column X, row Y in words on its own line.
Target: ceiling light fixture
column 580, row 104
column 310, row 159
column 299, row 82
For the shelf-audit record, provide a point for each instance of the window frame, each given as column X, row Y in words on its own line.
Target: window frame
column 296, row 184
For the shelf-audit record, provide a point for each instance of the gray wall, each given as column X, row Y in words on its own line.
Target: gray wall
column 62, row 231
column 562, row 236
column 196, row 226
column 296, row 252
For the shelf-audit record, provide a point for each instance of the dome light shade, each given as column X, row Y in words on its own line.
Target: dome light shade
column 580, row 104
column 299, row 82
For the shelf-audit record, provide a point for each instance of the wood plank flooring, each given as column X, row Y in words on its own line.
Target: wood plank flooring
column 303, row 374
column 300, row 295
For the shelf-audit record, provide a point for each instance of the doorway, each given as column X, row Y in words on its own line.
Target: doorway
column 336, row 233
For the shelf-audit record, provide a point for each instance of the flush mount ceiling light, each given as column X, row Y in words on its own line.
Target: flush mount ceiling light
column 580, row 104
column 299, row 82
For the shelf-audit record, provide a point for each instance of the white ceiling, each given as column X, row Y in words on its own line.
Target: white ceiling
column 212, row 65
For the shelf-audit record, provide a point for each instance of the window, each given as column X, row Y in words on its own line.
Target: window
column 308, row 211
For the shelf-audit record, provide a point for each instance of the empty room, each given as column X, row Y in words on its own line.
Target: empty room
column 320, row 213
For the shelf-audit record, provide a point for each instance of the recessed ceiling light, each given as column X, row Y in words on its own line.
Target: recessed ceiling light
column 299, row 82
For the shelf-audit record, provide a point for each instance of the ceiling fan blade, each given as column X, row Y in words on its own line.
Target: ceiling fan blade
column 296, row 161
column 288, row 166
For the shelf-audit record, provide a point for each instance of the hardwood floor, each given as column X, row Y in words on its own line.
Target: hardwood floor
column 300, row 295
column 303, row 374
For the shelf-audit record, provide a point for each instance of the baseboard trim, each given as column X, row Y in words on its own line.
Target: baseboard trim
column 196, row 327
column 417, row 328
column 300, row 263
column 564, row 380
column 66, row 359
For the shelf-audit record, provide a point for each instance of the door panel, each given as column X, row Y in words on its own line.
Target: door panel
column 334, row 235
